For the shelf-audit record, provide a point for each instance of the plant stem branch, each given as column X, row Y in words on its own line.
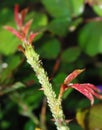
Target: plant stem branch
column 53, row 102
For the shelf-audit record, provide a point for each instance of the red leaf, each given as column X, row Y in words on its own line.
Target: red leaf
column 88, row 90
column 26, row 27
column 32, row 36
column 20, row 48
column 72, row 76
column 92, row 89
column 62, row 90
column 13, row 31
column 23, row 13
column 16, row 12
column 18, row 17
column 82, row 89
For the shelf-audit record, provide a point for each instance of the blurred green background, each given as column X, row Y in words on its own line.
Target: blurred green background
column 71, row 33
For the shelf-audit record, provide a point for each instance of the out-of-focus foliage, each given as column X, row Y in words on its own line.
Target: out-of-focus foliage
column 62, row 9
column 93, row 115
column 93, row 39
column 70, row 30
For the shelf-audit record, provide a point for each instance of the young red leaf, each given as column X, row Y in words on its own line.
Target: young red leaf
column 93, row 87
column 20, row 48
column 18, row 17
column 23, row 14
column 84, row 91
column 16, row 12
column 87, row 90
column 62, row 90
column 73, row 75
column 13, row 31
column 93, row 90
column 32, row 36
column 26, row 27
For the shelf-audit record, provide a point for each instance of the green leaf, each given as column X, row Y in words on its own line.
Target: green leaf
column 34, row 99
column 39, row 20
column 12, row 63
column 71, row 54
column 55, row 26
column 50, row 49
column 59, row 78
column 98, row 9
column 31, row 97
column 14, row 87
column 64, row 8
column 5, row 16
column 61, row 26
column 90, row 38
column 90, row 118
column 74, row 23
column 66, row 93
column 74, row 126
column 57, row 81
column 11, row 3
column 29, row 125
column 39, row 23
column 8, row 43
column 4, row 124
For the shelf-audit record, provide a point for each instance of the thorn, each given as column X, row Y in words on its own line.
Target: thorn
column 52, row 119
column 69, row 120
column 41, row 89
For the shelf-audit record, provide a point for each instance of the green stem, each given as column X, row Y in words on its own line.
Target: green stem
column 54, row 104
column 33, row 118
column 26, row 110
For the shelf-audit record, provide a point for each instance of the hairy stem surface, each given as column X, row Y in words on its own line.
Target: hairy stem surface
column 53, row 102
